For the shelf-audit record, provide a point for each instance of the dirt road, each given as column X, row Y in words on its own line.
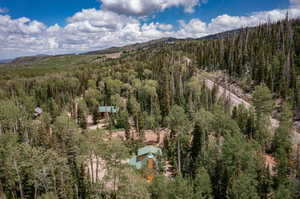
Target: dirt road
column 236, row 101
column 226, row 93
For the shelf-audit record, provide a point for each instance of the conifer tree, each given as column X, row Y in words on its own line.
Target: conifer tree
column 282, row 144
column 179, row 125
column 263, row 103
column 202, row 185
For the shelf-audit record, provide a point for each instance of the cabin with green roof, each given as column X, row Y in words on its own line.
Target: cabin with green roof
column 149, row 150
column 108, row 109
column 105, row 111
column 147, row 157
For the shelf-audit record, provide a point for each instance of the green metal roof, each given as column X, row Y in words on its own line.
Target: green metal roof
column 152, row 151
column 149, row 149
column 142, row 164
column 133, row 162
column 108, row 109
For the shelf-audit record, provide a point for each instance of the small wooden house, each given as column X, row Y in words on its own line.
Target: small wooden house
column 148, row 158
column 106, row 110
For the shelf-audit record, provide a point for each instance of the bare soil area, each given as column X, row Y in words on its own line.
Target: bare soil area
column 113, row 55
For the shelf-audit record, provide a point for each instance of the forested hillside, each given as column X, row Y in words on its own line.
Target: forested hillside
column 213, row 146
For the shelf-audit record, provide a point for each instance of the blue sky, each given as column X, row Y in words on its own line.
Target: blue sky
column 56, row 11
column 214, row 8
column 50, row 12
column 29, row 27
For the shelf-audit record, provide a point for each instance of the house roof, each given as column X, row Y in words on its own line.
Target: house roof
column 149, row 149
column 134, row 162
column 139, row 164
column 108, row 109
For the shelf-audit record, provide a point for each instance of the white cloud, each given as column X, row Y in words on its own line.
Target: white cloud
column 89, row 29
column 20, row 26
column 53, row 29
column 226, row 22
column 99, row 20
column 52, row 43
column 195, row 28
column 165, row 27
column 92, row 29
column 143, row 8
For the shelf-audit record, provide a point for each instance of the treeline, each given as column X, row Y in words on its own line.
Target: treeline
column 217, row 151
column 268, row 54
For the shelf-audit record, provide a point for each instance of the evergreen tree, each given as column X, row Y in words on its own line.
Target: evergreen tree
column 82, row 114
column 202, row 185
column 282, row 144
column 159, row 187
column 263, row 103
column 179, row 125
column 179, row 188
column 244, row 186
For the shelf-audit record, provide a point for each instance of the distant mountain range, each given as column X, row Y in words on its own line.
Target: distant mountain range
column 156, row 42
column 27, row 60
column 5, row 61
column 135, row 46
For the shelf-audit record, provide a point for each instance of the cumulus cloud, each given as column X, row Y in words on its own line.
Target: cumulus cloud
column 99, row 20
column 165, row 27
column 226, row 22
column 194, row 28
column 92, row 29
column 89, row 29
column 22, row 26
column 143, row 8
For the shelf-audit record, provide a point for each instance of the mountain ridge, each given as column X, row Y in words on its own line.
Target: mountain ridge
column 27, row 60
